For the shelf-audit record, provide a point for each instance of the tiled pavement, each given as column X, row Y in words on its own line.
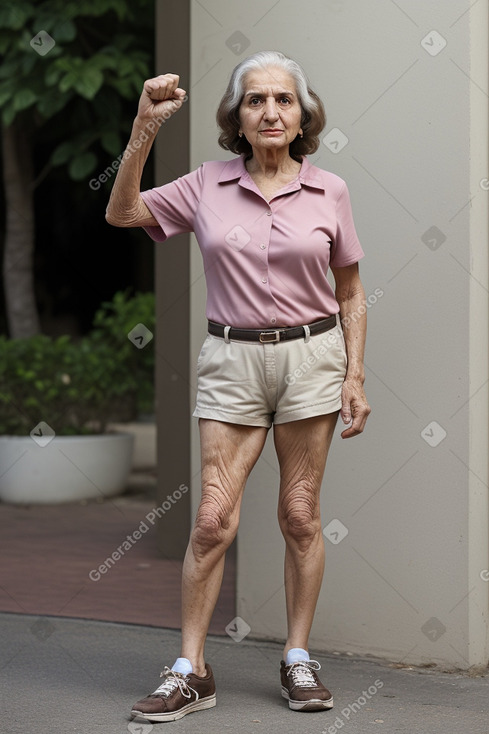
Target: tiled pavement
column 48, row 551
column 61, row 675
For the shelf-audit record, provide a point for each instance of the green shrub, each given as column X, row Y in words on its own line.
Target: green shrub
column 78, row 386
column 113, row 322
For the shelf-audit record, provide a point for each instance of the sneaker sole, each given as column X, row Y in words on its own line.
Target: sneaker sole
column 199, row 705
column 315, row 704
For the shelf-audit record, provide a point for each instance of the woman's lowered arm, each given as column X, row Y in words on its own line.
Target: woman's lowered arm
column 351, row 298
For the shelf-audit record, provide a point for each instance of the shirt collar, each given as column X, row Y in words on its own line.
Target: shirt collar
column 309, row 175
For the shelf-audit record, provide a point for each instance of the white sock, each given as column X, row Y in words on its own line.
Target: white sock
column 183, row 666
column 296, row 654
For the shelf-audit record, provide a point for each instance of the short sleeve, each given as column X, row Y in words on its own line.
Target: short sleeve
column 174, row 205
column 346, row 248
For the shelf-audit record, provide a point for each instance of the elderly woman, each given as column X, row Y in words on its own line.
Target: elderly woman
column 269, row 224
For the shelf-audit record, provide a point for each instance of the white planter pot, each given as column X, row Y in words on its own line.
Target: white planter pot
column 67, row 469
column 144, row 455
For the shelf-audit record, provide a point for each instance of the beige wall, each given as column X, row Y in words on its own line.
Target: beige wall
column 407, row 581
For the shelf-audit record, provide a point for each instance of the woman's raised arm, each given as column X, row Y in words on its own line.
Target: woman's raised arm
column 160, row 99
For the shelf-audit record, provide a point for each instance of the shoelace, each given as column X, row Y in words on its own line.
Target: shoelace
column 301, row 673
column 173, row 680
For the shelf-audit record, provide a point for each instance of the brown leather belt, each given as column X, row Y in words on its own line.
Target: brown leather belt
column 268, row 336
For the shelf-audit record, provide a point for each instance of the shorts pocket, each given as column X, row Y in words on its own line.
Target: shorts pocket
column 210, row 345
column 342, row 345
column 202, row 352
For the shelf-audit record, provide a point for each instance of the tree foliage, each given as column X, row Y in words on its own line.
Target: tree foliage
column 97, row 60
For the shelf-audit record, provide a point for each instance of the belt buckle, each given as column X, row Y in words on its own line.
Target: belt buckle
column 269, row 337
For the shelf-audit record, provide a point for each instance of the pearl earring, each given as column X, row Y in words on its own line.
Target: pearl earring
column 240, row 134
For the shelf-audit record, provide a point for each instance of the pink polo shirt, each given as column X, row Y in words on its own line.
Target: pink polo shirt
column 265, row 262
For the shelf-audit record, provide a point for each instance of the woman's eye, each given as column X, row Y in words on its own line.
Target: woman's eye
column 285, row 100
column 255, row 101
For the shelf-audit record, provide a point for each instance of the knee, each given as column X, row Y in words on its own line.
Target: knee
column 214, row 527
column 299, row 515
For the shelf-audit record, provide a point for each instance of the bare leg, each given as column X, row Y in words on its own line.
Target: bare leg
column 229, row 452
column 302, row 448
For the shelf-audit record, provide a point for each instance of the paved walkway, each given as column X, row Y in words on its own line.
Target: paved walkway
column 60, row 676
column 64, row 669
column 47, row 553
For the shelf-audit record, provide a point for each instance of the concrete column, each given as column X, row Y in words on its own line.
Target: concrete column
column 172, row 294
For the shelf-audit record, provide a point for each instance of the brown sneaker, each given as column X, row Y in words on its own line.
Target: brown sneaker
column 302, row 687
column 177, row 696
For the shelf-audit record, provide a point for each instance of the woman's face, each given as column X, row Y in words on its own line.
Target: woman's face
column 270, row 113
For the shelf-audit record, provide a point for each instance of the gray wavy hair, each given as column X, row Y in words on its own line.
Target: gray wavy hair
column 313, row 114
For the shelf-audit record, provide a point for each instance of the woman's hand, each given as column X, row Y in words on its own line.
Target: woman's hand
column 161, row 97
column 355, row 408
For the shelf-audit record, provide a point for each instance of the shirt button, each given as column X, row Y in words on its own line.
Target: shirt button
column 264, row 280
column 263, row 246
column 273, row 320
column 269, row 214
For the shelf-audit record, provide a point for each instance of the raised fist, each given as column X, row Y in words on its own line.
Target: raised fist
column 161, row 97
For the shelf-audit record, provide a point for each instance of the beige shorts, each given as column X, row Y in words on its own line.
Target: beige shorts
column 258, row 384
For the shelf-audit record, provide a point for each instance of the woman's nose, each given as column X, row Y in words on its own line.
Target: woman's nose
column 271, row 112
